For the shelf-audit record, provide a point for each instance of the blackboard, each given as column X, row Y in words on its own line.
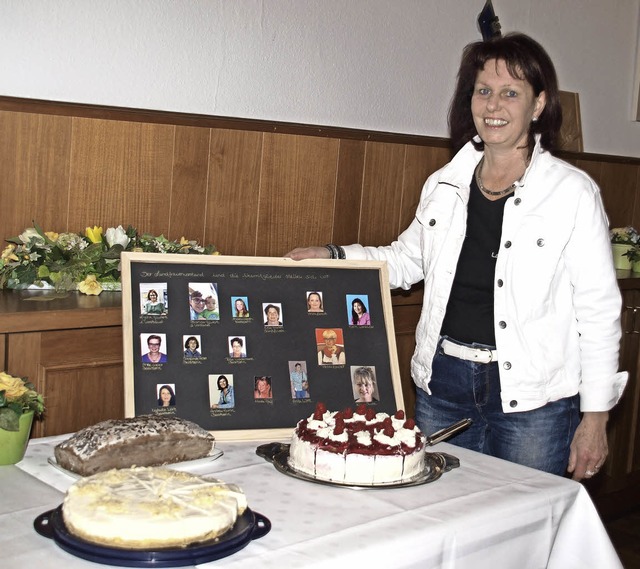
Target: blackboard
column 186, row 334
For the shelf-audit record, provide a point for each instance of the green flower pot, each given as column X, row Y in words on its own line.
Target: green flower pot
column 13, row 444
column 620, row 260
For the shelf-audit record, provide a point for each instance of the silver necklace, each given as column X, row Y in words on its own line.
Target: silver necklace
column 490, row 192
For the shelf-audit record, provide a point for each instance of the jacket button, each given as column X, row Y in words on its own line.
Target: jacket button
column 506, row 365
column 517, row 201
column 500, row 283
column 540, row 242
column 502, row 324
column 432, row 222
column 513, row 403
column 507, row 244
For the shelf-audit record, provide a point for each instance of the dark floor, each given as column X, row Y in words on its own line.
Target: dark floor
column 625, row 535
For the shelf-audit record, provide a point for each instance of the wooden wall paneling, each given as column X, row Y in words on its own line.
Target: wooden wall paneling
column 34, row 161
column 121, row 174
column 348, row 194
column 635, row 221
column 382, row 193
column 3, row 353
column 297, row 192
column 189, row 183
column 420, row 162
column 99, row 387
column 618, row 184
column 233, row 191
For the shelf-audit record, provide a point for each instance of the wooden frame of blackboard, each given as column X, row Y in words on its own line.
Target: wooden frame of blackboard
column 268, row 350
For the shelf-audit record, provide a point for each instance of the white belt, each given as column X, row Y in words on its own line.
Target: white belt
column 480, row 355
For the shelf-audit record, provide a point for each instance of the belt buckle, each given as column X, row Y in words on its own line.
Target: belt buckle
column 489, row 353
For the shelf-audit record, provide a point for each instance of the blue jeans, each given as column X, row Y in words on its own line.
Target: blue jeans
column 539, row 438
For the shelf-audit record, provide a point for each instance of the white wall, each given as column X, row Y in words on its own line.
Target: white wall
column 386, row 65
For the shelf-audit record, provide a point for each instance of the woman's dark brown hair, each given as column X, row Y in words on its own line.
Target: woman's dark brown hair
column 525, row 59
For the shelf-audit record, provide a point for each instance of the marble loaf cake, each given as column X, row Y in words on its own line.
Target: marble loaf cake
column 147, row 440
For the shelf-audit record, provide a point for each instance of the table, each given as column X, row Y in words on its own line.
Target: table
column 486, row 514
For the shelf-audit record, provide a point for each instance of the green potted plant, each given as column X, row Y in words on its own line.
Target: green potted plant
column 624, row 240
column 19, row 403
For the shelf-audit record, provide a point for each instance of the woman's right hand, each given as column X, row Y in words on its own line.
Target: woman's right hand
column 309, row 253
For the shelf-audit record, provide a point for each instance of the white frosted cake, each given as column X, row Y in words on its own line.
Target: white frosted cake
column 147, row 440
column 361, row 447
column 150, row 508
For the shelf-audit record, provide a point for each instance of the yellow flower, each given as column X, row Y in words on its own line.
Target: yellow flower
column 14, row 386
column 94, row 235
column 90, row 285
column 8, row 253
column 51, row 235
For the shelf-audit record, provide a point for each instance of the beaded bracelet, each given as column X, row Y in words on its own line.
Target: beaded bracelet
column 335, row 251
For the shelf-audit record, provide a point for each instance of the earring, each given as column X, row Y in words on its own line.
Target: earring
column 535, row 119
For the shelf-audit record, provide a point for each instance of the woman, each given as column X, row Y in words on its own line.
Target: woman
column 272, row 313
column 237, row 348
column 226, row 399
column 262, row 389
column 365, row 382
column 154, row 355
column 521, row 304
column 314, row 302
column 241, row 309
column 330, row 353
column 359, row 314
column 166, row 396
column 191, row 347
column 152, row 306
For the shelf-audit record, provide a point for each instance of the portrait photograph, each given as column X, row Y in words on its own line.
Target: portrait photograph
column 237, row 346
column 330, row 345
column 299, row 379
column 153, row 348
column 262, row 387
column 221, row 395
column 203, row 301
column 192, row 346
column 365, row 386
column 314, row 301
column 153, row 299
column 358, row 310
column 272, row 313
column 240, row 306
column 166, row 393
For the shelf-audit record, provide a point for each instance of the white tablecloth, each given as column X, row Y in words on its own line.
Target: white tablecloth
column 486, row 514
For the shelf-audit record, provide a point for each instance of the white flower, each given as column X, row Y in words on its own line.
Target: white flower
column 117, row 236
column 31, row 233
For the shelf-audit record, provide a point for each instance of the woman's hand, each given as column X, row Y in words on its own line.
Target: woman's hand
column 589, row 447
column 309, row 253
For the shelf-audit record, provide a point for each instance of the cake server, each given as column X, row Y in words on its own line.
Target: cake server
column 447, row 432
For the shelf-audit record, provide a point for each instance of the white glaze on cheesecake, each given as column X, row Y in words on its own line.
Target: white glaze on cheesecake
column 150, row 508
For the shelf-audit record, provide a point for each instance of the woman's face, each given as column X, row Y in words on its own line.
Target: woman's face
column 193, row 344
column 272, row 316
column 262, row 386
column 503, row 107
column 330, row 341
column 365, row 389
column 237, row 349
column 222, row 383
column 358, row 308
column 314, row 302
column 165, row 396
column 239, row 305
column 153, row 296
column 154, row 345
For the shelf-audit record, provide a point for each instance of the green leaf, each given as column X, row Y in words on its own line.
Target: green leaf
column 9, row 420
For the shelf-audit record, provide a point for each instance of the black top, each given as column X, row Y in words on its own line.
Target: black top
column 469, row 315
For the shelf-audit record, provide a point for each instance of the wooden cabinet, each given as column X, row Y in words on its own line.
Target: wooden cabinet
column 70, row 346
column 617, row 488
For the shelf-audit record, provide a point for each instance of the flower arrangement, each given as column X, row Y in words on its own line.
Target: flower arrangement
column 17, row 396
column 624, row 236
column 89, row 263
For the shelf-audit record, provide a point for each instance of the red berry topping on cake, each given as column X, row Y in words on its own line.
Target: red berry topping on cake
column 361, row 409
column 388, row 430
column 399, row 414
column 339, row 427
column 409, row 424
column 370, row 414
column 348, row 413
column 321, row 409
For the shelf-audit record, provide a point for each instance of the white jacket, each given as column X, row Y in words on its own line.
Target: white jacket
column 556, row 299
